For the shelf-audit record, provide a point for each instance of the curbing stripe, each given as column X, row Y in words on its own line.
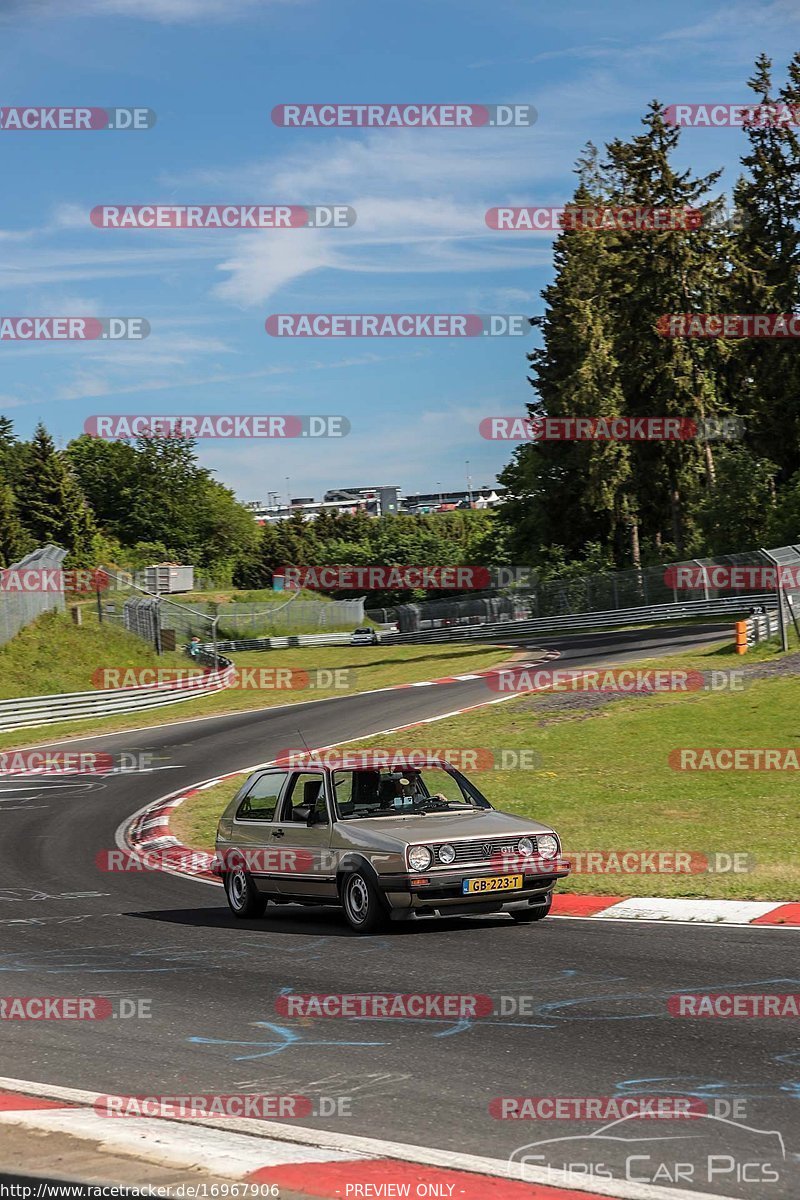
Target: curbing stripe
column 340, row 1179
column 569, row 904
column 784, row 914
column 261, row 1150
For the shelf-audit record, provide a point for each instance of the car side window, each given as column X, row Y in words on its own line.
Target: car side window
column 262, row 799
column 305, row 794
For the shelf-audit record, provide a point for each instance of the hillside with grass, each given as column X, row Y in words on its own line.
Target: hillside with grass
column 53, row 655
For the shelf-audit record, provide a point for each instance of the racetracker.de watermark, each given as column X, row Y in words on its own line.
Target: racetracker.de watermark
column 290, row 679
column 609, row 429
column 73, row 329
column 242, row 1106
column 224, row 426
column 73, row 1008
column 738, row 116
column 52, row 579
column 385, row 1005
column 620, row 680
column 60, row 120
column 595, row 1108
column 474, row 758
column 748, row 578
column 341, row 577
column 589, row 219
column 402, row 325
column 660, row 862
column 74, row 762
column 734, row 758
column 412, row 115
column 729, row 325
column 223, row 216
column 735, row 1004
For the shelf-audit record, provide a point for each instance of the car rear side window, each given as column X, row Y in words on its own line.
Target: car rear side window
column 261, row 801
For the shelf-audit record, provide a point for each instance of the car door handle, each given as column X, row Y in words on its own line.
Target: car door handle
column 278, row 833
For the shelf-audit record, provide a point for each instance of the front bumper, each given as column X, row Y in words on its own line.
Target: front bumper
column 442, row 890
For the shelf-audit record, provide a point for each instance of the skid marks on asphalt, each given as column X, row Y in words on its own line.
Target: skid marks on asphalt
column 26, row 793
column 109, row 959
column 592, row 1005
column 10, row 895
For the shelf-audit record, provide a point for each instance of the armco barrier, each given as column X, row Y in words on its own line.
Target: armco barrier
column 30, row 712
column 761, row 627
column 280, row 643
column 724, row 606
column 648, row 615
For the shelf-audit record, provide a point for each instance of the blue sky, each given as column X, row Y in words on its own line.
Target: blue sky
column 213, row 70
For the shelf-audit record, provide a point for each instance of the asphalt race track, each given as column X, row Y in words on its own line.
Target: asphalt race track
column 584, row 1013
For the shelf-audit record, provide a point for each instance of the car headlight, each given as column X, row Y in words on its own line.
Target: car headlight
column 548, row 845
column 525, row 846
column 446, row 853
column 419, row 858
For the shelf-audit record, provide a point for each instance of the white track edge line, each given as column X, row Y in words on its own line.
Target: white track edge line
column 380, row 1148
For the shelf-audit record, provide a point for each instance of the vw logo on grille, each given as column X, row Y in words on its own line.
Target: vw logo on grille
column 487, row 849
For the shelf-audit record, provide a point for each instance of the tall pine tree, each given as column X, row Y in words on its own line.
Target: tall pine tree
column 656, row 273
column 51, row 504
column 568, row 494
column 764, row 375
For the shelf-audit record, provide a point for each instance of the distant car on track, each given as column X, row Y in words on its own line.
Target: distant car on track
column 364, row 637
column 382, row 842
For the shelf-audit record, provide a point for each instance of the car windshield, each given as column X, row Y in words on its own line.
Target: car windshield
column 403, row 791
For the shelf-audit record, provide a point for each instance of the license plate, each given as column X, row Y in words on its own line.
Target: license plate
column 491, row 883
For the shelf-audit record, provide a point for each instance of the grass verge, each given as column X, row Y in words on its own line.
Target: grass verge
column 54, row 656
column 603, row 777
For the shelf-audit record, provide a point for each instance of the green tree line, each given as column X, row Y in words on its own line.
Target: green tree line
column 629, row 503
column 125, row 504
column 120, row 504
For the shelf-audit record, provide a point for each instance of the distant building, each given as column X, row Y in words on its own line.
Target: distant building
column 376, row 501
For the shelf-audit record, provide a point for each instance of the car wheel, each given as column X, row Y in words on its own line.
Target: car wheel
column 240, row 891
column 523, row 916
column 363, row 905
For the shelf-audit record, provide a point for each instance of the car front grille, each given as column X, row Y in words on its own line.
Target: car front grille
column 483, row 852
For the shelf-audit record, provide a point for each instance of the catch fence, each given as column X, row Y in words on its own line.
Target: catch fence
column 20, row 605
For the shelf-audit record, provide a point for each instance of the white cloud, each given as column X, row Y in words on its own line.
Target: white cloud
column 168, row 12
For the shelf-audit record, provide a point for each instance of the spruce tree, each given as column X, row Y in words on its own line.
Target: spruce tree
column 764, row 374
column 569, row 493
column 14, row 541
column 51, row 504
column 657, row 273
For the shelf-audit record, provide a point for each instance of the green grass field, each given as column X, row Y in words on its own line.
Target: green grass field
column 54, row 656
column 603, row 779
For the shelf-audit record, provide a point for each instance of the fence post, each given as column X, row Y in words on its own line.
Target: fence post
column 214, row 623
column 697, row 563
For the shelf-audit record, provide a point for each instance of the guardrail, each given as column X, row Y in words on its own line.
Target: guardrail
column 723, row 606
column 761, row 627
column 646, row 615
column 280, row 643
column 30, row 712
column 33, row 711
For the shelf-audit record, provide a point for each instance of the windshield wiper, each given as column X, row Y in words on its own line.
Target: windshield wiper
column 431, row 805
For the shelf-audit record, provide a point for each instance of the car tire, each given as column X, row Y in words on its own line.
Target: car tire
column 243, row 899
column 363, row 904
column 538, row 912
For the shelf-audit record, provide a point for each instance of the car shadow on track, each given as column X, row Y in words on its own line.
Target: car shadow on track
column 305, row 921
